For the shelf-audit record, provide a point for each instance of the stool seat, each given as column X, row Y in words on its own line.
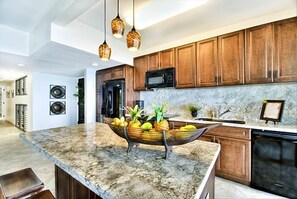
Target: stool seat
column 20, row 183
column 46, row 194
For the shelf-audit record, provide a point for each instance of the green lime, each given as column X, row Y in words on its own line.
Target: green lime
column 147, row 126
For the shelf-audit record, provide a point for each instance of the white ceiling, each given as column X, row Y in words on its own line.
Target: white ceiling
column 54, row 58
column 24, row 15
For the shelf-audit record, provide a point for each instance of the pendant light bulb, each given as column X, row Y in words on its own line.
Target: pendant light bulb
column 133, row 37
column 117, row 24
column 104, row 50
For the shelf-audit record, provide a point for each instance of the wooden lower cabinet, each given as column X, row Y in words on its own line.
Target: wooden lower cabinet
column 234, row 161
column 69, row 188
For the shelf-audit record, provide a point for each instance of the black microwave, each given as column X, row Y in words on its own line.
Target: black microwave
column 160, row 78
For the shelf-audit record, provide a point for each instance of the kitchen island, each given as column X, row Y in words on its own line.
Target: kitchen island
column 92, row 157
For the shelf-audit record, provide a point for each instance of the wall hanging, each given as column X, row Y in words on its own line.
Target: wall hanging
column 57, row 92
column 57, row 107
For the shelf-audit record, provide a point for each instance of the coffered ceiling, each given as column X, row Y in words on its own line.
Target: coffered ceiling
column 62, row 36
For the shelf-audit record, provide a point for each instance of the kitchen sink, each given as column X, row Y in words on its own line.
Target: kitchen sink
column 220, row 120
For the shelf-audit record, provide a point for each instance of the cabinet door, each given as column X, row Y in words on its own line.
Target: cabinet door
column 140, row 68
column 286, row 50
column 167, row 59
column 106, row 75
column 118, row 73
column 153, row 62
column 207, row 66
column 258, row 65
column 186, row 66
column 231, row 48
column 234, row 160
column 62, row 184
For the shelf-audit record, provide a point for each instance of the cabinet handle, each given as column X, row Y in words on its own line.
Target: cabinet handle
column 275, row 74
column 243, row 133
column 269, row 74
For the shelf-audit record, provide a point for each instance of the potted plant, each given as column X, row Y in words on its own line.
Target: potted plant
column 194, row 109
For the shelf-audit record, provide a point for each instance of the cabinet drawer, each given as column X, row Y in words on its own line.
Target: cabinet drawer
column 231, row 132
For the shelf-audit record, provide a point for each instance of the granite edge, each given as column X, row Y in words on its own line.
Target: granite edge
column 208, row 172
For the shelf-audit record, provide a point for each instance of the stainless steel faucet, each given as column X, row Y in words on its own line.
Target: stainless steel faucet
column 228, row 110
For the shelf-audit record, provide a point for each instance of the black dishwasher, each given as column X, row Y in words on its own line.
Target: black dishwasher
column 274, row 162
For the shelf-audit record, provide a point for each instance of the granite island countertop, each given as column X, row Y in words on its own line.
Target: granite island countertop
column 96, row 157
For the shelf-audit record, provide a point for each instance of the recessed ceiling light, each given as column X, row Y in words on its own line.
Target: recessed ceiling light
column 172, row 8
column 95, row 64
column 20, row 65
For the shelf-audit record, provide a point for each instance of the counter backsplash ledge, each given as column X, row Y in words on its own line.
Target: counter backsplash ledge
column 243, row 101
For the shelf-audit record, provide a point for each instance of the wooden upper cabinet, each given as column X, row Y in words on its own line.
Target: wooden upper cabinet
column 140, row 68
column 161, row 60
column 207, row 62
column 118, row 73
column 153, row 61
column 259, row 54
column 186, row 66
column 285, row 59
column 167, row 59
column 231, row 62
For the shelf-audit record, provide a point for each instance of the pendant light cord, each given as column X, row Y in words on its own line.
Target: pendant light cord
column 118, row 7
column 133, row 15
column 104, row 20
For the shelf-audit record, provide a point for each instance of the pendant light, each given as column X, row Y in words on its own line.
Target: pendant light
column 104, row 50
column 133, row 37
column 117, row 24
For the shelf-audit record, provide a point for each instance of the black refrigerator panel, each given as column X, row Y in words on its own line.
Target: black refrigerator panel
column 113, row 98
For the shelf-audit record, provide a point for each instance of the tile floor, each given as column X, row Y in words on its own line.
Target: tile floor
column 15, row 155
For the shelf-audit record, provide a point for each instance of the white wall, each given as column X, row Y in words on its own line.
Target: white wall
column 41, row 100
column 90, row 95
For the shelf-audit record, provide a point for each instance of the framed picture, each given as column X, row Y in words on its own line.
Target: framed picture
column 57, row 107
column 57, row 92
column 272, row 110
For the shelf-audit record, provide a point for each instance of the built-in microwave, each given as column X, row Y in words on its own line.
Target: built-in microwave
column 160, row 78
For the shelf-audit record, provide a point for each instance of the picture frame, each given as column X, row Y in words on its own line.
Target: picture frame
column 272, row 110
column 57, row 108
column 57, row 92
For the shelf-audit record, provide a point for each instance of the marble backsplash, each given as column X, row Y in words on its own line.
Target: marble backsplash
column 243, row 101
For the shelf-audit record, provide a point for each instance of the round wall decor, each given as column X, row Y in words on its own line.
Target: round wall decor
column 57, row 108
column 57, row 92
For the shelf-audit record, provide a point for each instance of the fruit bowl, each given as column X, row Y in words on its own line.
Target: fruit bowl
column 169, row 138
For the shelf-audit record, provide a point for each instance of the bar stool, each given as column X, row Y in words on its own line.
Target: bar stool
column 20, row 183
column 46, row 194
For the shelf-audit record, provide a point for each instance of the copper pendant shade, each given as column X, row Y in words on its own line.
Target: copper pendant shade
column 104, row 50
column 117, row 24
column 133, row 37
